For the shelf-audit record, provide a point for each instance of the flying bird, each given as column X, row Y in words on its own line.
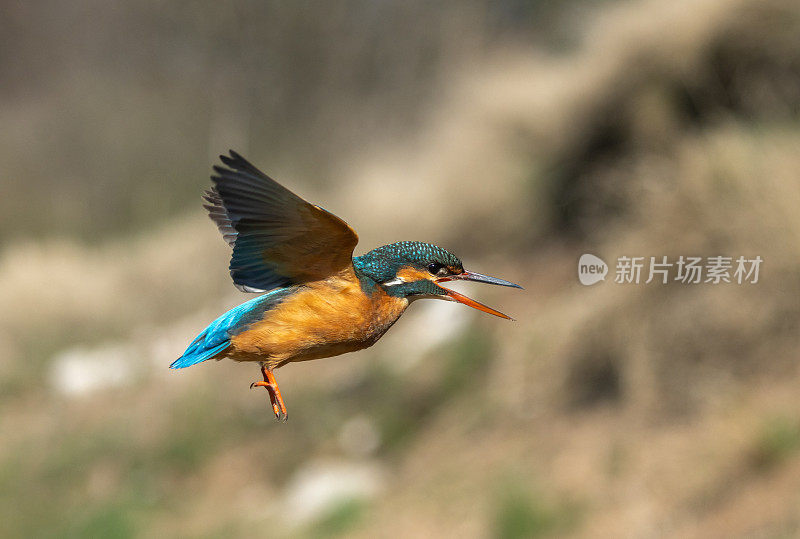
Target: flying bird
column 317, row 300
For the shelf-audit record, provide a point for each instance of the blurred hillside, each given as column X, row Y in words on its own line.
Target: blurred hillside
column 518, row 134
column 107, row 108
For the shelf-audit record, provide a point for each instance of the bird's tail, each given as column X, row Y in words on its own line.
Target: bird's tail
column 216, row 338
column 199, row 351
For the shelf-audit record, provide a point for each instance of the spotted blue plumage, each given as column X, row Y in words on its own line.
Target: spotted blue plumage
column 216, row 337
column 383, row 263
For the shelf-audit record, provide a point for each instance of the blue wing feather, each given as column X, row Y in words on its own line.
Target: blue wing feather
column 216, row 337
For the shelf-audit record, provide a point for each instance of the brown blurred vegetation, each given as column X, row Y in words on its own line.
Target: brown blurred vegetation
column 518, row 134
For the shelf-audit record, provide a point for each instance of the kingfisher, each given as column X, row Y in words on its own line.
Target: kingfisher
column 316, row 299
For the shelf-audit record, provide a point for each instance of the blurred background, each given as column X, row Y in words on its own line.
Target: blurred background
column 518, row 134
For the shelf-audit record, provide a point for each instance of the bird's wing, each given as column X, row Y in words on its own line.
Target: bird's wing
column 278, row 239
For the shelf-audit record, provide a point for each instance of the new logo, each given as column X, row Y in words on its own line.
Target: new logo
column 591, row 269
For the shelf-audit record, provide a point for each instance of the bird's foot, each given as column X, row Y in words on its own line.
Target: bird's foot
column 271, row 385
column 275, row 398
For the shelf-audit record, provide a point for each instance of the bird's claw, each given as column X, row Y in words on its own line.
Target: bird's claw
column 278, row 408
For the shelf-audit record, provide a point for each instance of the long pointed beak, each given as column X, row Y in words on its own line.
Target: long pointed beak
column 461, row 298
column 478, row 278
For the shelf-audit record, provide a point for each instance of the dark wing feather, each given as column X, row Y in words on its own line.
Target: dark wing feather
column 218, row 214
column 278, row 238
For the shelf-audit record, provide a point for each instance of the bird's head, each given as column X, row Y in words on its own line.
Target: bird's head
column 413, row 270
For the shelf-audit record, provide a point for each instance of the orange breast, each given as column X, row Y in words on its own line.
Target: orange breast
column 323, row 319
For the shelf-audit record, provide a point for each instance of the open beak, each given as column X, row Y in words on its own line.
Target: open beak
column 477, row 277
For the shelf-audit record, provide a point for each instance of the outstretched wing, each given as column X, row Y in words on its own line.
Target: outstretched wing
column 278, row 239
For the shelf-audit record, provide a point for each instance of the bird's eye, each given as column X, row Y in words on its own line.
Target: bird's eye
column 435, row 267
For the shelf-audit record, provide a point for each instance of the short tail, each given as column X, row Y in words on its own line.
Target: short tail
column 197, row 353
column 216, row 338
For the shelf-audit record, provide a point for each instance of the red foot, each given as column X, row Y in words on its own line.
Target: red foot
column 274, row 393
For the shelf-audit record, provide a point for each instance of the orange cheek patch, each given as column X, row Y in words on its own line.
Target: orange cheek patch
column 411, row 275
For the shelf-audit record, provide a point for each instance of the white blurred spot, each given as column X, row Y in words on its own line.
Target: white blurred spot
column 79, row 371
column 359, row 437
column 320, row 487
